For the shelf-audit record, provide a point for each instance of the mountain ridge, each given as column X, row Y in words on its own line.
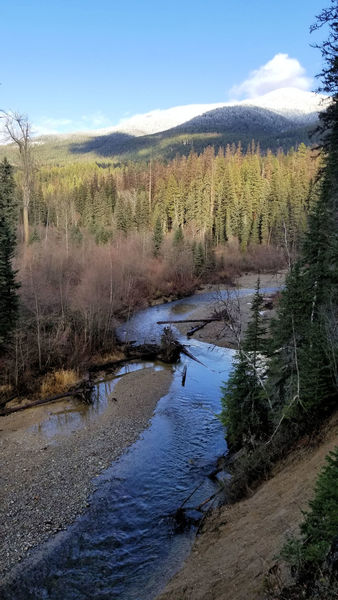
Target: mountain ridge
column 278, row 120
column 289, row 102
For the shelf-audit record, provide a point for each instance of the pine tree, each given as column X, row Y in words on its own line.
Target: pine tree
column 8, row 221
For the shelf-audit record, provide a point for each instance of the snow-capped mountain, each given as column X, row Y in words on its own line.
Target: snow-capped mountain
column 291, row 103
column 241, row 118
column 280, row 119
column 158, row 120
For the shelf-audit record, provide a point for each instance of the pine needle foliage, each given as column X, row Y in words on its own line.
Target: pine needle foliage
column 8, row 285
column 244, row 402
column 307, row 553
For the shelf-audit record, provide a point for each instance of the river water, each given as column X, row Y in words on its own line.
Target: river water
column 126, row 546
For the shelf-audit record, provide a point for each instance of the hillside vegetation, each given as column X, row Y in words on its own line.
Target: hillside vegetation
column 285, row 387
column 104, row 241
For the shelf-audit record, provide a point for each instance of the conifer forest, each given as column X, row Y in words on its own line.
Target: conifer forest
column 104, row 240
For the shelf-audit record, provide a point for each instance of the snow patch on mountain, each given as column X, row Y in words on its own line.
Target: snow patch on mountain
column 159, row 120
column 292, row 103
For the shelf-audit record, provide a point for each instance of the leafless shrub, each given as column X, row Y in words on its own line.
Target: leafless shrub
column 72, row 294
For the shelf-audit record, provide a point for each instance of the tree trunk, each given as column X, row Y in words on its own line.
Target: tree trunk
column 25, row 223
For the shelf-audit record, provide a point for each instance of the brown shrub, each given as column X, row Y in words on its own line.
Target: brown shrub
column 71, row 295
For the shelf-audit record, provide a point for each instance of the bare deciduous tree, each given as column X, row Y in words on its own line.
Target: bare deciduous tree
column 17, row 128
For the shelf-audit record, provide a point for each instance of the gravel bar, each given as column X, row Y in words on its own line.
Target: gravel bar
column 46, row 483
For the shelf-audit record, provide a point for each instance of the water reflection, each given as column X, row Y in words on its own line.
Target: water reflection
column 72, row 415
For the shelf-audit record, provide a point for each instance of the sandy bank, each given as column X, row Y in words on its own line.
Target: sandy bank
column 46, row 480
column 238, row 543
column 216, row 333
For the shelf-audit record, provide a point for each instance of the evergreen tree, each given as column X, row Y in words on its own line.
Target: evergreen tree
column 123, row 215
column 8, row 222
column 157, row 237
column 178, row 238
column 308, row 553
column 76, row 235
column 245, row 404
column 198, row 258
column 305, row 345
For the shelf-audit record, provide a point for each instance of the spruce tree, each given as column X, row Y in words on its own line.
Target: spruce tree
column 157, row 237
column 304, row 370
column 245, row 403
column 8, row 222
column 178, row 240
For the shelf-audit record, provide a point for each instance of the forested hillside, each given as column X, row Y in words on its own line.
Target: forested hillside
column 103, row 240
column 218, row 127
column 285, row 387
column 251, row 197
column 278, row 120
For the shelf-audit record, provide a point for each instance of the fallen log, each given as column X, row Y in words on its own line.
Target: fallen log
column 9, row 411
column 200, row 506
column 82, row 393
column 190, row 495
column 8, row 399
column 144, row 351
column 189, row 321
column 107, row 366
column 194, row 329
column 187, row 353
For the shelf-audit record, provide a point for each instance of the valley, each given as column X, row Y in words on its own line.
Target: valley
column 168, row 302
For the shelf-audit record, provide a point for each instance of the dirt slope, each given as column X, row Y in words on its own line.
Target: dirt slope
column 238, row 544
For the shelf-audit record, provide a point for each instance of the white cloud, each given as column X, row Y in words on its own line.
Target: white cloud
column 48, row 125
column 97, row 119
column 52, row 126
column 279, row 72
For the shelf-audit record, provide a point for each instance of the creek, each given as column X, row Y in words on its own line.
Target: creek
column 126, row 546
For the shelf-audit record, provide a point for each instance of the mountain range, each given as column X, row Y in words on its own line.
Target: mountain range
column 279, row 119
column 291, row 103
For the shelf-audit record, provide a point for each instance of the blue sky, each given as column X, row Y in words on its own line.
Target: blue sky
column 83, row 64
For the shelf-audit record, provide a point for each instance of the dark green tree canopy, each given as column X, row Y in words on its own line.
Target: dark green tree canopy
column 8, row 222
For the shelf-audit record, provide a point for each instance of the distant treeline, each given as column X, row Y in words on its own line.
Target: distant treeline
column 248, row 197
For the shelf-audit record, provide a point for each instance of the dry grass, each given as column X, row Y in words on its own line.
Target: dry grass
column 5, row 389
column 108, row 357
column 58, row 382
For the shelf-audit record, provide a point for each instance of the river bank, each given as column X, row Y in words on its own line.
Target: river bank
column 238, row 543
column 217, row 333
column 46, row 479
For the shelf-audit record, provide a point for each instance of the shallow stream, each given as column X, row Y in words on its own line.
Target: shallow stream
column 125, row 546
